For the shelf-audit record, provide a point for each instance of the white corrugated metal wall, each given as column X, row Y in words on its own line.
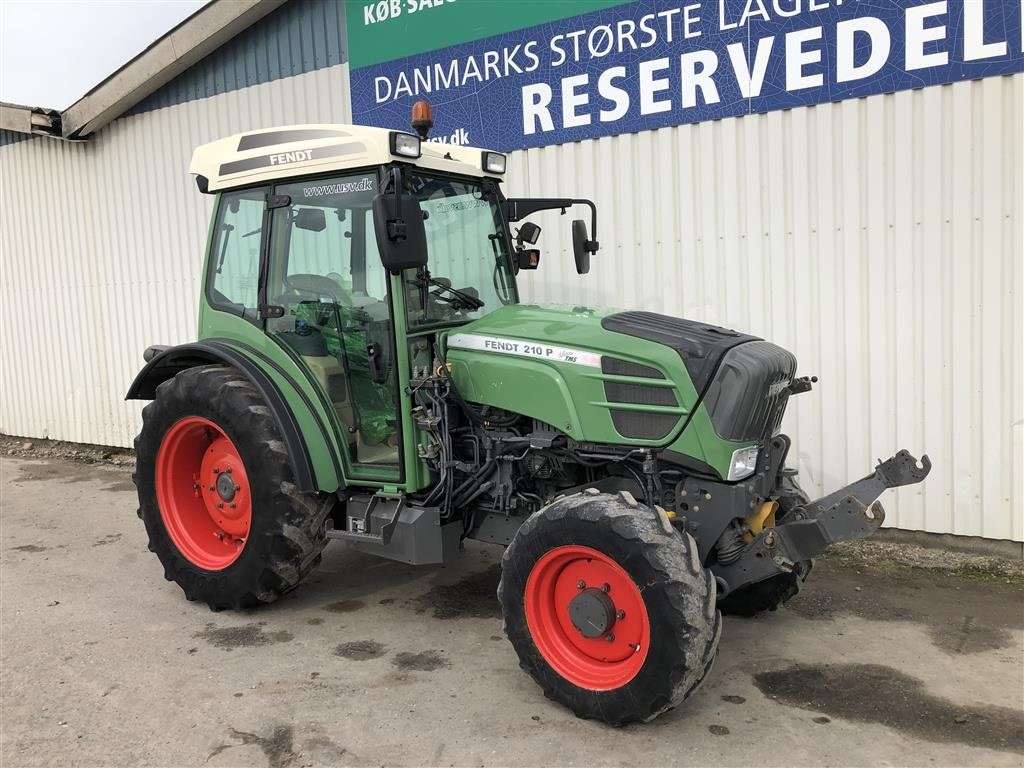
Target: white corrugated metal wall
column 101, row 247
column 879, row 239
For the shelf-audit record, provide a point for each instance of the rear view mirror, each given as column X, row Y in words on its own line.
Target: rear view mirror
column 401, row 236
column 311, row 219
column 582, row 246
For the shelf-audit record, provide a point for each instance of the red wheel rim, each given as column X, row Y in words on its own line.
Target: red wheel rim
column 596, row 663
column 203, row 493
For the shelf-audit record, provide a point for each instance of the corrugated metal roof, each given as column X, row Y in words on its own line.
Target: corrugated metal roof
column 299, row 37
column 188, row 43
column 19, row 121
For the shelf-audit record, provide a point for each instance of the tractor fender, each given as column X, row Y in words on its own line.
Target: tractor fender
column 164, row 363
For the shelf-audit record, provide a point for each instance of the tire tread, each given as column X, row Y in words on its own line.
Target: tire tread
column 296, row 533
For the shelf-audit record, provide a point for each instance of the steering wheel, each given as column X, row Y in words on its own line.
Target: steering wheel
column 306, row 287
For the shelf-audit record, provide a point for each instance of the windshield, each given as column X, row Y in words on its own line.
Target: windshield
column 468, row 269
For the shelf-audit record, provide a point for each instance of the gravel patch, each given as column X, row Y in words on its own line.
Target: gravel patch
column 38, row 448
column 884, row 554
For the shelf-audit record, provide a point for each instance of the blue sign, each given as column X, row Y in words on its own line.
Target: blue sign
column 655, row 63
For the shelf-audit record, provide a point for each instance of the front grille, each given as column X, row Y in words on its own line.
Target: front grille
column 748, row 396
column 644, row 426
column 639, row 394
column 638, row 424
column 617, row 367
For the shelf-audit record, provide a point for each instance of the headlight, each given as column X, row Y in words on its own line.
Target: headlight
column 405, row 144
column 494, row 162
column 744, row 462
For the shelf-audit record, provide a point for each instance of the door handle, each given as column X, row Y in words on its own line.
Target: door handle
column 373, row 356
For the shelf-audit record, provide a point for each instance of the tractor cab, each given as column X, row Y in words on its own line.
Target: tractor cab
column 351, row 247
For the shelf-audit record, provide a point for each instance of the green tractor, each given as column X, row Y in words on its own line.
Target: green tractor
column 365, row 372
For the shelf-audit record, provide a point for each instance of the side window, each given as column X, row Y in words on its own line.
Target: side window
column 235, row 257
column 320, row 244
column 375, row 276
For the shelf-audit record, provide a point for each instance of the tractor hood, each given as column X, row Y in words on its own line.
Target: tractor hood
column 630, row 378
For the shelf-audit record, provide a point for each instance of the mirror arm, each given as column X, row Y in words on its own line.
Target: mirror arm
column 396, row 228
column 396, row 182
column 592, row 244
column 518, row 208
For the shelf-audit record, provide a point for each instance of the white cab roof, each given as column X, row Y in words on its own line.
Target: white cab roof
column 300, row 150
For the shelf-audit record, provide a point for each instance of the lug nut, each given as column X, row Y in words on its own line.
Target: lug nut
column 581, row 584
column 220, row 505
column 216, row 470
column 212, row 488
column 606, row 587
column 233, row 505
column 228, row 470
column 620, row 614
column 610, row 637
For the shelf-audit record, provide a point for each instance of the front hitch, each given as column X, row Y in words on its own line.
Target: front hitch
column 849, row 513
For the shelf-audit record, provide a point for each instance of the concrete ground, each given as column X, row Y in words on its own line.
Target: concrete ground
column 374, row 663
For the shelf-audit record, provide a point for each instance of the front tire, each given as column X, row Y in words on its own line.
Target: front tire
column 217, row 494
column 609, row 607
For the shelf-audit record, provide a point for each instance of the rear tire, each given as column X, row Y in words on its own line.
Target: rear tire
column 662, row 646
column 230, row 540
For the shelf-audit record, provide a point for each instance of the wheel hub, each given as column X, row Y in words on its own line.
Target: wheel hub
column 226, row 486
column 592, row 612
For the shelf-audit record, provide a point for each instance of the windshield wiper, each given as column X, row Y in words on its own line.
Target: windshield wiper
column 472, row 302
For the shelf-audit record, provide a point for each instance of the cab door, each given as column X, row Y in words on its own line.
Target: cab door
column 335, row 313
